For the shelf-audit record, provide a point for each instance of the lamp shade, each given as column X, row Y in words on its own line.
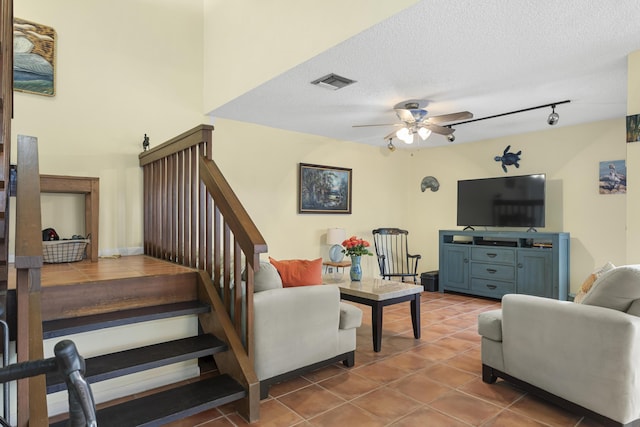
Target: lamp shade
column 335, row 237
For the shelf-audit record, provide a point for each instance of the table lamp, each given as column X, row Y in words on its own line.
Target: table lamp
column 335, row 237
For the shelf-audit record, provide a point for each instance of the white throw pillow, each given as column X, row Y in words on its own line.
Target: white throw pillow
column 590, row 281
column 616, row 289
column 267, row 277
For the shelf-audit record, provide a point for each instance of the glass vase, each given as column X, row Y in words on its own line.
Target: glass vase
column 356, row 269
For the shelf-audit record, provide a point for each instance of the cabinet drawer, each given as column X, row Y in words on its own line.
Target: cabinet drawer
column 493, row 255
column 492, row 288
column 493, row 271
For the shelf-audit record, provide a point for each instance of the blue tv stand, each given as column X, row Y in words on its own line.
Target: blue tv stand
column 495, row 263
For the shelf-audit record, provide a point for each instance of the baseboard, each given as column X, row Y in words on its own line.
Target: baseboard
column 135, row 250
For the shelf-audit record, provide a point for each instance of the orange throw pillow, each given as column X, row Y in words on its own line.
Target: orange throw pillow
column 299, row 272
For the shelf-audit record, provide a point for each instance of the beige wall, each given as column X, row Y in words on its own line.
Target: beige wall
column 248, row 42
column 261, row 164
column 568, row 156
column 633, row 163
column 120, row 73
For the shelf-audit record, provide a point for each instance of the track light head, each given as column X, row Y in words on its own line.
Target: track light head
column 553, row 117
column 390, row 145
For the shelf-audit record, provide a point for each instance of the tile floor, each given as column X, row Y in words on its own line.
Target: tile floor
column 434, row 381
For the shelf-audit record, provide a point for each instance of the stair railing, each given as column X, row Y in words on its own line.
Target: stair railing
column 192, row 217
column 31, row 399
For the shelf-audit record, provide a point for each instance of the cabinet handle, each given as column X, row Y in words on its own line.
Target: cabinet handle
column 520, row 265
column 492, row 287
column 492, row 255
column 491, row 270
column 466, row 261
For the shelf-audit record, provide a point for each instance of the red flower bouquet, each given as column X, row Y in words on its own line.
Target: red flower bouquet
column 354, row 246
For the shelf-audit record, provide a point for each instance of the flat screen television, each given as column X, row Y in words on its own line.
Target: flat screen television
column 510, row 201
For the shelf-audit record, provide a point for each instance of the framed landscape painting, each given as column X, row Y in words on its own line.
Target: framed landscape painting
column 33, row 57
column 324, row 189
column 633, row 128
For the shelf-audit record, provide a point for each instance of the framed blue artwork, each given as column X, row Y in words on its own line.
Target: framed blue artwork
column 33, row 57
column 612, row 177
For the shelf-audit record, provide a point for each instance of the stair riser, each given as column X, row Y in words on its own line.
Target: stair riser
column 125, row 337
column 129, row 361
column 107, row 391
column 109, row 340
column 59, row 302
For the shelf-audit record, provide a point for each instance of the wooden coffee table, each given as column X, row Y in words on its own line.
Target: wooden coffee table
column 378, row 293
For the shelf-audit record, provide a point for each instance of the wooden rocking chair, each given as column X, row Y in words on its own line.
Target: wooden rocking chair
column 394, row 259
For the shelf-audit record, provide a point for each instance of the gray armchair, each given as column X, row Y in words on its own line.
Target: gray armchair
column 583, row 357
column 298, row 329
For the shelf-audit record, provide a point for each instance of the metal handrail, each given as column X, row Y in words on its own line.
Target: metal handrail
column 67, row 361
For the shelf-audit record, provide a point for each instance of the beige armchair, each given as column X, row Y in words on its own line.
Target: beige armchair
column 584, row 357
column 299, row 329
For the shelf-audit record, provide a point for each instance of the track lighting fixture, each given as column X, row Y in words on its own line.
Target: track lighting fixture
column 553, row 117
column 390, row 145
column 551, row 120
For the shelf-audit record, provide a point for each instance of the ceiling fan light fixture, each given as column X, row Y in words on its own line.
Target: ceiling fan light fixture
column 451, row 137
column 424, row 133
column 405, row 135
column 408, row 139
column 553, row 117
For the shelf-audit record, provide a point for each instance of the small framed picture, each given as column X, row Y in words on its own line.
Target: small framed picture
column 633, row 128
column 324, row 189
column 613, row 177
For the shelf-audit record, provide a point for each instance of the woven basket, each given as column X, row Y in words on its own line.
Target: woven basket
column 58, row 251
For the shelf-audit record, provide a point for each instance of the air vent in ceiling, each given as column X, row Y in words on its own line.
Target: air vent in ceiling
column 333, row 81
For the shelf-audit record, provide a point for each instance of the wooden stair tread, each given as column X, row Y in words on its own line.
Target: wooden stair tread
column 170, row 405
column 62, row 327
column 104, row 367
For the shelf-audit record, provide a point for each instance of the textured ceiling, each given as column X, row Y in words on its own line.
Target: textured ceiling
column 487, row 57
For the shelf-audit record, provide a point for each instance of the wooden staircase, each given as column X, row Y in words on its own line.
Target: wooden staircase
column 88, row 307
column 192, row 218
column 6, row 113
column 210, row 251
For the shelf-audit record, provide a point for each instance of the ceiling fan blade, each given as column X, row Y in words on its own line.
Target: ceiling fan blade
column 442, row 130
column 453, row 117
column 386, row 124
column 391, row 135
column 405, row 115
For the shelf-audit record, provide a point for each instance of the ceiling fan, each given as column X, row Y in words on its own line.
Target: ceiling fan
column 415, row 121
